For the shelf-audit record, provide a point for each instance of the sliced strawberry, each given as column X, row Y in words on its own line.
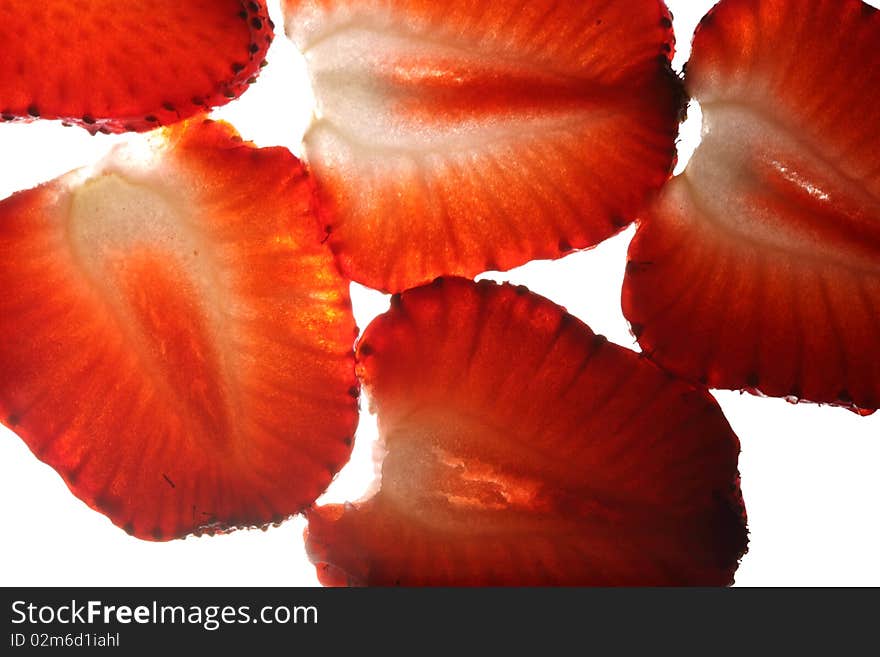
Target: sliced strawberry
column 461, row 136
column 759, row 267
column 174, row 338
column 115, row 66
column 523, row 449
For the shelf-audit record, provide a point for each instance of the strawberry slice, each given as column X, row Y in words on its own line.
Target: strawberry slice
column 461, row 136
column 174, row 338
column 522, row 449
column 113, row 66
column 759, row 267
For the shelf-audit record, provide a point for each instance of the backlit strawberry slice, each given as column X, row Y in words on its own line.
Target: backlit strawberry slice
column 174, row 338
column 759, row 267
column 116, row 66
column 520, row 448
column 455, row 137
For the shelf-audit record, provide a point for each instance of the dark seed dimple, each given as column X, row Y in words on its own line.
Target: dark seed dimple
column 366, row 350
column 254, row 48
column 88, row 119
column 354, row 391
column 256, row 23
column 707, row 20
column 151, row 119
column 663, row 59
column 752, row 380
column 12, row 420
column 105, row 503
column 34, row 111
column 636, row 266
column 237, row 68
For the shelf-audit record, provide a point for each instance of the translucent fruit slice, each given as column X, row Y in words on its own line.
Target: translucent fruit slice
column 759, row 267
column 174, row 338
column 522, row 449
column 114, row 66
column 456, row 137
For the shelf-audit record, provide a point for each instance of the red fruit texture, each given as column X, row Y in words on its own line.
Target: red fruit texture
column 522, row 449
column 759, row 267
column 462, row 136
column 113, row 66
column 175, row 340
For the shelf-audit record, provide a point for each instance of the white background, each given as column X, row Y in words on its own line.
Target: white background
column 809, row 473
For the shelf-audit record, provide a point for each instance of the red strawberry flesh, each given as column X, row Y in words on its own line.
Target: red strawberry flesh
column 174, row 338
column 522, row 449
column 457, row 137
column 114, row 66
column 759, row 267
